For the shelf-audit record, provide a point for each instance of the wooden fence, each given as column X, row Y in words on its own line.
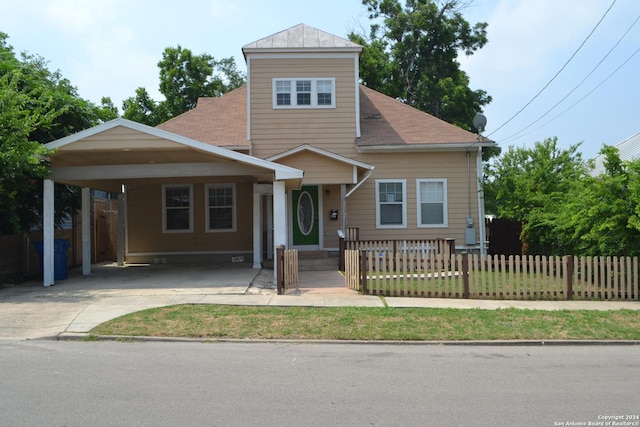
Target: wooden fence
column 287, row 269
column 351, row 241
column 492, row 277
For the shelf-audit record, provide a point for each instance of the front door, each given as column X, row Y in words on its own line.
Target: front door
column 305, row 216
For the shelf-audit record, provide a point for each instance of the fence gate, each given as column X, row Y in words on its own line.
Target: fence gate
column 352, row 269
column 287, row 269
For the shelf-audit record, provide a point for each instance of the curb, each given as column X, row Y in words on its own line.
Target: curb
column 68, row 336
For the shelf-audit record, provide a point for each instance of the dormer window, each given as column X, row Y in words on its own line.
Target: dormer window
column 304, row 93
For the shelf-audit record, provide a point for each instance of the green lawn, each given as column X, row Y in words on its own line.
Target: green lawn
column 385, row 323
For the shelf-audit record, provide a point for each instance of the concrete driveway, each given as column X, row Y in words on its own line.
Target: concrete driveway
column 79, row 303
column 30, row 310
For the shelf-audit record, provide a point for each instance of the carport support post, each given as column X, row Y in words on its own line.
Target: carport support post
column 120, row 234
column 47, row 232
column 86, row 231
column 257, row 229
column 279, row 221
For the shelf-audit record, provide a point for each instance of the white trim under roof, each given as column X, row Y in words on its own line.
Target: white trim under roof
column 416, row 148
column 282, row 172
column 325, row 153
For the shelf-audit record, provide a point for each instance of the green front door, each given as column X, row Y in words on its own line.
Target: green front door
column 305, row 216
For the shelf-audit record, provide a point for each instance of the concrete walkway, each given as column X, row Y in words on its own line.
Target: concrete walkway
column 78, row 304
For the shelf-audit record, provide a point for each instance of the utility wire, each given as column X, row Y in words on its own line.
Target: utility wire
column 578, row 85
column 587, row 94
column 559, row 71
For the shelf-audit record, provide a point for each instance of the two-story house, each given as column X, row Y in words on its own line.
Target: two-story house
column 301, row 152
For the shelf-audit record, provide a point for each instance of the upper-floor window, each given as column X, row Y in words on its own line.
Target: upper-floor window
column 304, row 93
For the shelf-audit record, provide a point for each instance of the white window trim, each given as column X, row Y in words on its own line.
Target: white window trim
column 233, row 207
column 314, row 93
column 445, row 214
column 404, row 203
column 164, row 208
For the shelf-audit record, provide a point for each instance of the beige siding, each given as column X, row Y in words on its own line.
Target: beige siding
column 331, row 200
column 276, row 130
column 144, row 223
column 319, row 169
column 361, row 208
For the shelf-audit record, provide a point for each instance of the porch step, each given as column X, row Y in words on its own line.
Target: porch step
column 317, row 261
column 312, row 261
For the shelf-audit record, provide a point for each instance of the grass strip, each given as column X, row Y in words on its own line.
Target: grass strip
column 365, row 323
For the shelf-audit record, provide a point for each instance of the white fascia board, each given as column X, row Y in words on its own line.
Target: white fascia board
column 418, row 148
column 315, row 53
column 207, row 148
column 325, row 153
column 156, row 170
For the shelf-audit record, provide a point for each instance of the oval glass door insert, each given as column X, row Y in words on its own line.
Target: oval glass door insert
column 305, row 213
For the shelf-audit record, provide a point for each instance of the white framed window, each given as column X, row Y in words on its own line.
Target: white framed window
column 391, row 203
column 221, row 207
column 432, row 202
column 177, row 211
column 304, row 93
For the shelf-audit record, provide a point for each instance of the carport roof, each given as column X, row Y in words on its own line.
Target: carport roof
column 140, row 138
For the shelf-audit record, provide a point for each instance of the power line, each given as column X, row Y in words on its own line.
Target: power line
column 559, row 71
column 578, row 85
column 587, row 94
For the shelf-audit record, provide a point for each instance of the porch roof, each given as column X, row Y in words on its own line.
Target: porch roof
column 105, row 155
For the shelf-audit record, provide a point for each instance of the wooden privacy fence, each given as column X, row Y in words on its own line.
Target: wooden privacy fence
column 492, row 277
column 287, row 269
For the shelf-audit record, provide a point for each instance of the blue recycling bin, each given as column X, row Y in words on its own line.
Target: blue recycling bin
column 60, row 248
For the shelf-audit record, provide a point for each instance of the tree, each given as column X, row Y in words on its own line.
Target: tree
column 413, row 56
column 600, row 218
column 531, row 186
column 36, row 106
column 143, row 109
column 184, row 77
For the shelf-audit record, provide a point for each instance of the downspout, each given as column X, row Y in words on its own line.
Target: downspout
column 366, row 177
column 349, row 193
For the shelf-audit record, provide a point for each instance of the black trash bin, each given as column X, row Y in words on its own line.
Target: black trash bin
column 60, row 248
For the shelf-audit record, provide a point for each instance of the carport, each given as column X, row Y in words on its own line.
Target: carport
column 120, row 154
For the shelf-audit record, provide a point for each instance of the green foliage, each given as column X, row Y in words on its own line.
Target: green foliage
column 413, row 56
column 530, row 185
column 184, row 77
column 563, row 209
column 36, row 106
column 600, row 215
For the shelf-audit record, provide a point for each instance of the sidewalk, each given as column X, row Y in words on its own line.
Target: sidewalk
column 80, row 304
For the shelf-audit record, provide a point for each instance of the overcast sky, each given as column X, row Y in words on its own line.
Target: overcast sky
column 111, row 47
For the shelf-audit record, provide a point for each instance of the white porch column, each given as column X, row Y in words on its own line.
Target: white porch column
column 86, row 231
column 122, row 200
column 279, row 221
column 48, row 232
column 269, row 210
column 257, row 229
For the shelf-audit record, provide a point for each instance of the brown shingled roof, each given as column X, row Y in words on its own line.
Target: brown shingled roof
column 385, row 121
column 220, row 121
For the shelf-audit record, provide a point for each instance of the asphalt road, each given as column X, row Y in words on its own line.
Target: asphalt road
column 61, row 383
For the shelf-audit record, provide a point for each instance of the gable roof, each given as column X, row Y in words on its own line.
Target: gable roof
column 301, row 37
column 219, row 121
column 321, row 152
column 281, row 172
column 385, row 124
column 629, row 150
column 388, row 123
